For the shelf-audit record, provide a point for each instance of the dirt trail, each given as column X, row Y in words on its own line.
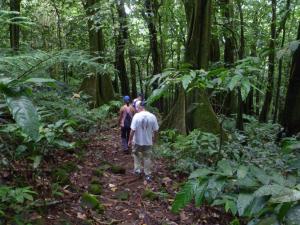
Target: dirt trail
column 123, row 194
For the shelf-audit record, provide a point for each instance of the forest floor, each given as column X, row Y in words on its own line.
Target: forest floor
column 127, row 199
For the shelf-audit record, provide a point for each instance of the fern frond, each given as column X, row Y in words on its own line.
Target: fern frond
column 38, row 62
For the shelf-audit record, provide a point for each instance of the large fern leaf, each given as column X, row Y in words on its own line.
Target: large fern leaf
column 25, row 115
column 184, row 196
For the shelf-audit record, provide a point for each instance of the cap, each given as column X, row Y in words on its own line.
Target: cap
column 126, row 99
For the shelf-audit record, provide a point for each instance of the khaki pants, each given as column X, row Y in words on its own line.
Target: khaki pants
column 139, row 153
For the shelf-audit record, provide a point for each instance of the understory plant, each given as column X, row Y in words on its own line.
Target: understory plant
column 251, row 175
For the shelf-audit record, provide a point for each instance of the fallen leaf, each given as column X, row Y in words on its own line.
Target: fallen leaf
column 183, row 216
column 114, row 189
column 81, row 216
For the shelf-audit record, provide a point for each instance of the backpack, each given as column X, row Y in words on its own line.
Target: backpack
column 128, row 119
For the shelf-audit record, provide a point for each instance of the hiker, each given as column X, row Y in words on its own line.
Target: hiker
column 143, row 134
column 140, row 97
column 125, row 118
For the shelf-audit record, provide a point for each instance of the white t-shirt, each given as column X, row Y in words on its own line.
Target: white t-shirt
column 144, row 124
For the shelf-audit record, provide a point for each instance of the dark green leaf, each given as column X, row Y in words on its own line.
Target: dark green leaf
column 25, row 115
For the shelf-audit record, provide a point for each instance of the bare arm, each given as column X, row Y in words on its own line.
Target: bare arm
column 131, row 137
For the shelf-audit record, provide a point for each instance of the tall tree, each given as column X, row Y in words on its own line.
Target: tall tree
column 291, row 118
column 280, row 64
column 100, row 85
column 122, row 38
column 271, row 67
column 14, row 29
column 151, row 7
column 201, row 114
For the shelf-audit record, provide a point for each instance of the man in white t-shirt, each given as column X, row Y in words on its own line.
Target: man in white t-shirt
column 143, row 134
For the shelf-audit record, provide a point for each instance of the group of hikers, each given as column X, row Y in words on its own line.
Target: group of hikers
column 138, row 132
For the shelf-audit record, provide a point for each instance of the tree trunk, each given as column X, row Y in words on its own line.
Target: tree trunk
column 241, row 104
column 215, row 54
column 291, row 118
column 280, row 64
column 104, row 91
column 120, row 48
column 178, row 114
column 14, row 29
column 115, row 82
column 200, row 113
column 132, row 61
column 271, row 64
column 150, row 19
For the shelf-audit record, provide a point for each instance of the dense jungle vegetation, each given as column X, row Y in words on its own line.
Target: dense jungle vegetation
column 222, row 76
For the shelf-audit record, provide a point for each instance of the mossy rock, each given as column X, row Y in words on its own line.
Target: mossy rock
column 123, row 196
column 92, row 202
column 61, row 176
column 149, row 194
column 117, row 169
column 95, row 189
column 95, row 180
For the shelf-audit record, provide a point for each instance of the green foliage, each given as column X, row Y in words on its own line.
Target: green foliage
column 250, row 176
column 241, row 77
column 190, row 151
column 25, row 114
column 13, row 201
column 90, row 201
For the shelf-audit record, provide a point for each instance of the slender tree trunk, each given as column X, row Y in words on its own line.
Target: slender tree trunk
column 241, row 108
column 276, row 108
column 14, row 29
column 150, row 19
column 215, row 54
column 268, row 96
column 140, row 77
column 120, row 47
column 291, row 118
column 132, row 69
column 115, row 81
column 280, row 64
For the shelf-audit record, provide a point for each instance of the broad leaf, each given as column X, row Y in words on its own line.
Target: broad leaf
column 202, row 172
column 25, row 115
column 273, row 189
column 272, row 220
column 244, row 200
column 242, row 172
column 39, row 80
column 225, row 167
column 287, row 196
column 260, row 174
column 37, row 161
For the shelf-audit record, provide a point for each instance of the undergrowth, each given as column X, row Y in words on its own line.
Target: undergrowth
column 251, row 175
